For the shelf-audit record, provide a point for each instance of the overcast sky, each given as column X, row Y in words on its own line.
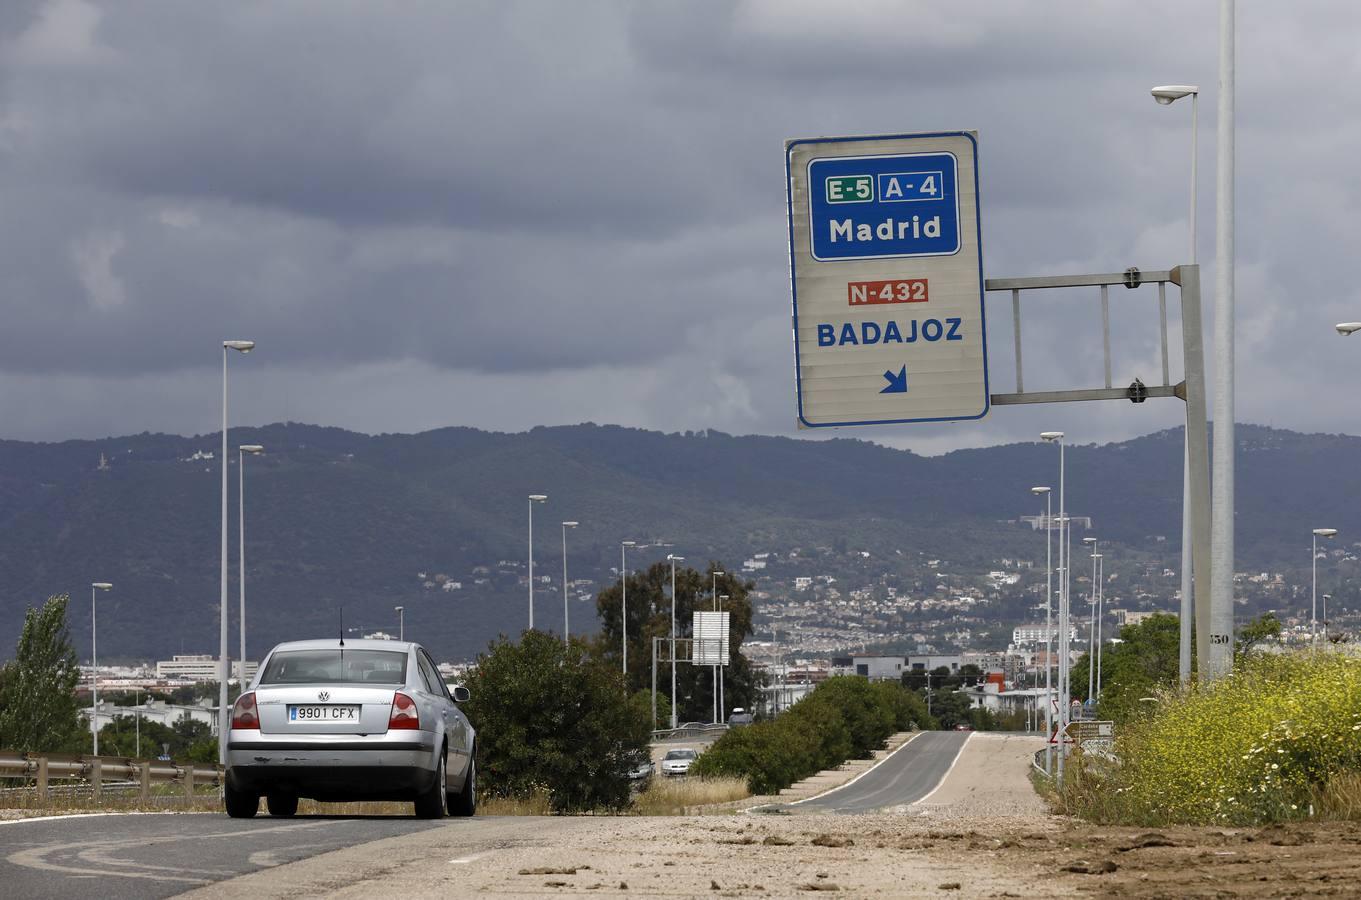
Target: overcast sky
column 507, row 214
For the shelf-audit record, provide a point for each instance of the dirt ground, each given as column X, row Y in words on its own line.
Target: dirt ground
column 982, row 833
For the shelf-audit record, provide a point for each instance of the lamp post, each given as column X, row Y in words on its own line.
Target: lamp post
column 1091, row 627
column 1065, row 556
column 565, row 526
column 624, row 609
column 720, row 646
column 1100, row 601
column 1313, row 593
column 252, row 449
column 1048, row 495
column 674, row 559
column 1166, row 95
column 223, row 663
column 94, row 663
column 401, row 622
column 722, row 707
column 533, row 498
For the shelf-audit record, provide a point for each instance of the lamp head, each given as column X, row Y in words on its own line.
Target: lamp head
column 240, row 346
column 723, row 596
column 1346, row 328
column 251, row 448
column 398, row 608
column 1039, row 490
column 1166, row 94
column 1052, row 435
column 570, row 524
column 538, row 498
column 1325, row 532
column 629, row 543
column 1089, row 540
column 102, row 585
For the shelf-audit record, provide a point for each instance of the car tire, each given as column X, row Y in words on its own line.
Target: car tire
column 239, row 804
column 464, row 804
column 282, row 805
column 431, row 803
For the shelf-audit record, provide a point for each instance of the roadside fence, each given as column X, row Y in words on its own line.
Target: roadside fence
column 96, row 775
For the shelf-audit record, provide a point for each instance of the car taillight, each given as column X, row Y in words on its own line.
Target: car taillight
column 404, row 714
column 244, row 714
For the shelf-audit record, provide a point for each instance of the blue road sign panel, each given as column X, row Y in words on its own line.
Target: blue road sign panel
column 876, row 207
column 886, row 263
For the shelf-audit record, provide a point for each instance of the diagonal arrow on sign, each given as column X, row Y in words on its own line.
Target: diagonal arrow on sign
column 897, row 382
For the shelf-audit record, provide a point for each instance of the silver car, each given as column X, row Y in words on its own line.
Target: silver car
column 677, row 762
column 351, row 720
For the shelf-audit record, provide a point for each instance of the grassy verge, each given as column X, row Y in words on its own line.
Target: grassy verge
column 679, row 796
column 1277, row 740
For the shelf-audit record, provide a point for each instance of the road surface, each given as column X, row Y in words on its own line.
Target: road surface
column 906, row 776
column 163, row 854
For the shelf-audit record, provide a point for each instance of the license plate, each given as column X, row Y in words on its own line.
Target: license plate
column 323, row 712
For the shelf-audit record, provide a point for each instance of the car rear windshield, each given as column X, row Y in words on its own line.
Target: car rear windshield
column 680, row 754
column 336, row 666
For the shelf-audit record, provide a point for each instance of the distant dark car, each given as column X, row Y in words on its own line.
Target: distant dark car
column 739, row 717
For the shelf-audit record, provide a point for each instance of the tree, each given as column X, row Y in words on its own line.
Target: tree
column 38, row 708
column 1145, row 660
column 649, row 616
column 553, row 717
column 1264, row 627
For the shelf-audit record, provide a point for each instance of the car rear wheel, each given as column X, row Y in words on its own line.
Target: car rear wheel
column 430, row 805
column 239, row 804
column 283, row 805
column 465, row 804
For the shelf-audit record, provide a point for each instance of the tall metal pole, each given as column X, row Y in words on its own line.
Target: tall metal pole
column 1065, row 649
column 715, row 667
column 674, row 559
column 531, row 563
column 1222, row 479
column 624, row 613
column 1048, row 631
column 1091, row 628
column 565, row 625
column 401, row 622
column 223, row 665
column 241, row 554
column 94, row 673
column 1100, row 603
column 722, row 706
column 1313, row 596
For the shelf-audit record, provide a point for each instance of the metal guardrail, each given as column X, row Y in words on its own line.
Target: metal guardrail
column 684, row 734
column 44, row 767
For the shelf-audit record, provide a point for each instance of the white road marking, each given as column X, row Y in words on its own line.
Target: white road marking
column 861, row 775
column 953, row 763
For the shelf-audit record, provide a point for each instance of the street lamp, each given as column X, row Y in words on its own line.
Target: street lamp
column 565, row 526
column 401, row 622
column 1048, row 495
column 716, row 668
column 1100, row 609
column 1347, row 328
column 1065, row 557
column 223, row 665
column 722, row 704
column 533, row 498
column 1090, row 542
column 241, row 452
column 1313, row 616
column 1165, row 95
column 674, row 559
column 624, row 609
column 94, row 663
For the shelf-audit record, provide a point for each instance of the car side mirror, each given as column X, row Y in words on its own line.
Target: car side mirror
column 461, row 695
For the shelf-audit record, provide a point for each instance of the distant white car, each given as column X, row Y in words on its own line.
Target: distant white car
column 677, row 762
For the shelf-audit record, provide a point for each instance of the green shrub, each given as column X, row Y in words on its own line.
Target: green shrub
column 1253, row 747
column 843, row 718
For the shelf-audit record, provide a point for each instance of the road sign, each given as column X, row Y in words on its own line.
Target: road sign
column 710, row 632
column 1090, row 730
column 886, row 261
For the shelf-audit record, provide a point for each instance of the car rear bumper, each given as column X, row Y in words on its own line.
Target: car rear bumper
column 334, row 770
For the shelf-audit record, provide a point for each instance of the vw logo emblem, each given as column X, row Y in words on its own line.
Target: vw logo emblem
column 323, row 696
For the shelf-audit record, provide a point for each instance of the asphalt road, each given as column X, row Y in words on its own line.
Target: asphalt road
column 904, row 777
column 163, row 854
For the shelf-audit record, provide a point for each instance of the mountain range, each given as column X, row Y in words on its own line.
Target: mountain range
column 342, row 527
